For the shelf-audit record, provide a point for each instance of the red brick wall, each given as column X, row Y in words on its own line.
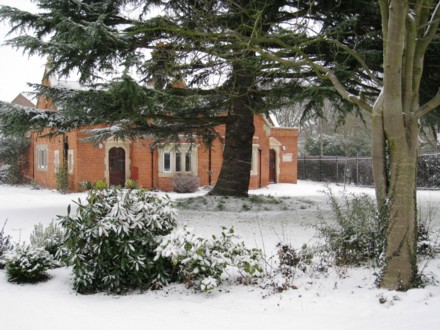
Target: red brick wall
column 89, row 160
column 288, row 153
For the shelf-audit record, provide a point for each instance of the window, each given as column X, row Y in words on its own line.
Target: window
column 70, row 161
column 178, row 162
column 42, row 157
column 255, row 159
column 167, row 161
column 180, row 158
column 188, row 161
column 56, row 160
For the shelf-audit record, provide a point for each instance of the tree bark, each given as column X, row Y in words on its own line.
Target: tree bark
column 234, row 175
column 400, row 270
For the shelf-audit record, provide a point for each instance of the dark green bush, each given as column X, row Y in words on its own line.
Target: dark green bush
column 28, row 264
column 111, row 240
column 353, row 232
column 5, row 245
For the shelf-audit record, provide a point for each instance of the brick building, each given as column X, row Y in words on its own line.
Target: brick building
column 274, row 157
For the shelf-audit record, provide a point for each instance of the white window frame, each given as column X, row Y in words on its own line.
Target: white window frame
column 170, row 161
column 173, row 149
column 255, row 159
column 42, row 157
column 56, row 160
column 70, row 161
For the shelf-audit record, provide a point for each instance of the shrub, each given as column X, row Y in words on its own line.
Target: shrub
column 289, row 262
column 28, row 264
column 111, row 240
column 202, row 261
column 427, row 236
column 50, row 238
column 86, row 185
column 5, row 245
column 62, row 179
column 352, row 232
column 131, row 184
column 185, row 183
column 100, row 185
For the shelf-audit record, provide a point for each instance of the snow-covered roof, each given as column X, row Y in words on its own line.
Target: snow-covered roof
column 68, row 84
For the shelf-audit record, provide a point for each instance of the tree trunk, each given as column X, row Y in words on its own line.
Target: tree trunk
column 236, row 167
column 400, row 269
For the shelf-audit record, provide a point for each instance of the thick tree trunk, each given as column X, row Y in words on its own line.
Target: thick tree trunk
column 234, row 175
column 235, row 172
column 400, row 269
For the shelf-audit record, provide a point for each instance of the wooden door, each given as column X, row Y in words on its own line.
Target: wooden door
column 116, row 159
column 272, row 166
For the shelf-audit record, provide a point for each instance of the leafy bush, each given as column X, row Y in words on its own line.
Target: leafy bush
column 100, row 185
column 131, row 184
column 202, row 261
column 352, row 232
column 185, row 183
column 111, row 240
column 50, row 238
column 85, row 185
column 5, row 245
column 289, row 263
column 427, row 237
column 28, row 264
column 62, row 179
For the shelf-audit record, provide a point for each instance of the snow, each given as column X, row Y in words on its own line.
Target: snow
column 343, row 299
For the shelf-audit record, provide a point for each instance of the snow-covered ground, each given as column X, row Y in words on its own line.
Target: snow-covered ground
column 343, row 299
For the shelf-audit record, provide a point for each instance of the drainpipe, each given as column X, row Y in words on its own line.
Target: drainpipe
column 65, row 149
column 152, row 168
column 260, row 168
column 210, row 165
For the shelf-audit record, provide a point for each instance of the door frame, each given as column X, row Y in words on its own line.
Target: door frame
column 275, row 145
column 272, row 170
column 112, row 143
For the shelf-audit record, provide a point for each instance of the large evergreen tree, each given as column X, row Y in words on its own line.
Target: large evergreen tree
column 192, row 42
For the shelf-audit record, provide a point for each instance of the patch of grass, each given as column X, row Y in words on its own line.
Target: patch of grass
column 258, row 199
column 307, row 201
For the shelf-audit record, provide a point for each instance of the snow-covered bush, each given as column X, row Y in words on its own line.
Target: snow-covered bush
column 28, row 264
column 111, row 240
column 5, row 245
column 202, row 261
column 352, row 232
column 50, row 238
column 185, row 183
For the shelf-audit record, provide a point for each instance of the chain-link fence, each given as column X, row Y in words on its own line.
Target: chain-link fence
column 358, row 170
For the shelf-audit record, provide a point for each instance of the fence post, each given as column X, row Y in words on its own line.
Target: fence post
column 320, row 169
column 337, row 170
column 305, row 168
column 357, row 170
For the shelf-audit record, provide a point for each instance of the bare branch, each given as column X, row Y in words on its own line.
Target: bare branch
column 358, row 100
column 428, row 106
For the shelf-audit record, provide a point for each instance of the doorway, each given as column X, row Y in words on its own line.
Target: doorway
column 272, row 166
column 116, row 159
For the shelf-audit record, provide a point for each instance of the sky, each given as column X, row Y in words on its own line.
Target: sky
column 17, row 69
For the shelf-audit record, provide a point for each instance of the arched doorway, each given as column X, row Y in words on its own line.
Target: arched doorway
column 272, row 166
column 116, row 158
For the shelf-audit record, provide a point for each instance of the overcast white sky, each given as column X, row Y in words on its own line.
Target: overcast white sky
column 16, row 69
